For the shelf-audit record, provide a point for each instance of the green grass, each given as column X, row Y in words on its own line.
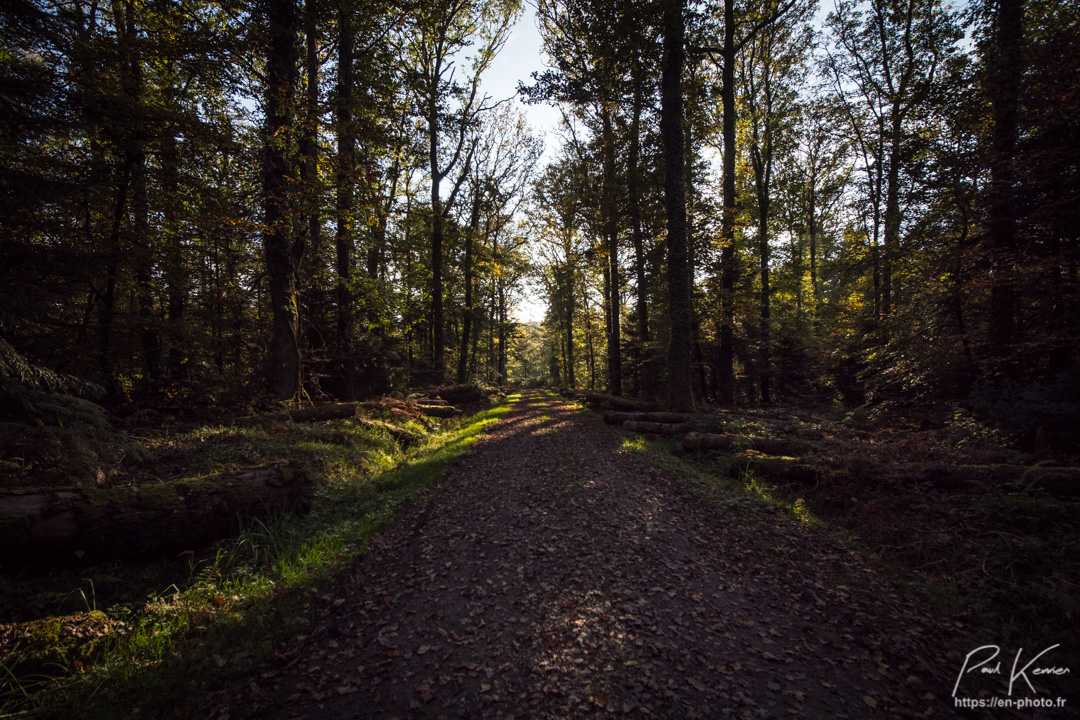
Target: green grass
column 246, row 598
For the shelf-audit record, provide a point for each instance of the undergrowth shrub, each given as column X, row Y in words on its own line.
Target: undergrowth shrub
column 1023, row 412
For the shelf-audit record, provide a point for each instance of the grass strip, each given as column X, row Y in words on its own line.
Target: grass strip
column 254, row 594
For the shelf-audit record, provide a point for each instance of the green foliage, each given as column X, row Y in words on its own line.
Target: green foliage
column 53, row 437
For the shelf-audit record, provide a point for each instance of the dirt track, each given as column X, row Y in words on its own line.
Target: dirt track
column 555, row 573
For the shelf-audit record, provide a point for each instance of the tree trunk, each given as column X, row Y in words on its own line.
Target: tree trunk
column 762, row 162
column 680, row 395
column 501, row 376
column 615, row 417
column 776, row 469
column 812, row 229
column 611, row 236
column 278, row 246
column 570, row 379
column 336, row 411
column 54, row 525
column 457, row 393
column 646, row 372
column 1005, row 88
column 728, row 270
column 589, row 349
column 176, row 280
column 656, row 428
column 892, row 214
column 344, row 241
column 311, row 235
column 437, row 350
column 144, row 276
column 466, row 328
column 446, row 411
column 768, row 446
column 107, row 304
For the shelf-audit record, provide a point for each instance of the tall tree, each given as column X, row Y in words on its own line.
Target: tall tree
column 1006, row 68
column 771, row 72
column 680, row 274
column 443, row 31
column 884, row 57
column 281, row 248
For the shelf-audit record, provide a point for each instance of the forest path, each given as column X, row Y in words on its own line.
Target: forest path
column 556, row 573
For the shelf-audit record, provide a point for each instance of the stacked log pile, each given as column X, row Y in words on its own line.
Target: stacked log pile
column 439, row 402
column 787, row 450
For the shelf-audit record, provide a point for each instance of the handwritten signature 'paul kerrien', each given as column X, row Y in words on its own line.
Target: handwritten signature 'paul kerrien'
column 985, row 668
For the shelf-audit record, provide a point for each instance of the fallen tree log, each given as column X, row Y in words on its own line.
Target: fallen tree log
column 334, row 411
column 440, row 411
column 617, row 417
column 64, row 525
column 1061, row 482
column 776, row 469
column 768, row 446
column 602, row 400
column 403, row 436
column 457, row 393
column 656, row 428
column 431, row 401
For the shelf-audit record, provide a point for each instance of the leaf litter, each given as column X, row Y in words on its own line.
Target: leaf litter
column 554, row 573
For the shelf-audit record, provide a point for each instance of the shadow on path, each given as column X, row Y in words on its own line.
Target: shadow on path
column 553, row 573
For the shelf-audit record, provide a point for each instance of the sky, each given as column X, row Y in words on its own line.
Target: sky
column 519, row 58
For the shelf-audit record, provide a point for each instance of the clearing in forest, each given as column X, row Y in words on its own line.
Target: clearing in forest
column 558, row 572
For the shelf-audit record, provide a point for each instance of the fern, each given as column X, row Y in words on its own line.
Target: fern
column 14, row 366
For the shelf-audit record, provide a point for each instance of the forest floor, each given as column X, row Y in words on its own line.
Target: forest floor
column 561, row 570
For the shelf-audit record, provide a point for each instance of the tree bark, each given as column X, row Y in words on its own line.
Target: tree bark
column 728, row 270
column 278, row 245
column 615, row 417
column 311, row 235
column 611, row 236
column 776, row 469
column 336, row 411
column 176, row 280
column 569, row 290
column 646, row 371
column 456, row 393
column 655, row 428
column 680, row 394
column 466, row 326
column 344, row 241
column 1005, row 89
column 892, row 212
column 768, row 446
column 440, row 411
